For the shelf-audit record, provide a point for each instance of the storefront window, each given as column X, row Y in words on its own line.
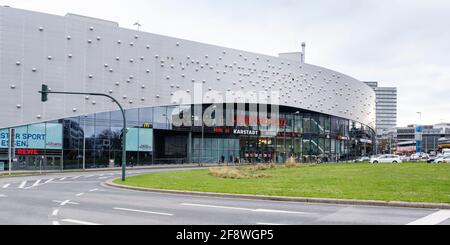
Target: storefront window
column 161, row 120
column 306, row 124
column 315, row 124
column 298, row 124
column 290, row 123
column 132, row 118
column 145, row 116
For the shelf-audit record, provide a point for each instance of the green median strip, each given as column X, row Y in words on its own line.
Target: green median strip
column 409, row 182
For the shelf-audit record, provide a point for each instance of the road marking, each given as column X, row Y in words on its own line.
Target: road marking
column 22, row 185
column 101, row 175
column 34, row 185
column 269, row 224
column 1, row 195
column 433, row 219
column 89, row 176
column 93, row 190
column 55, row 223
column 64, row 203
column 55, row 212
column 103, row 178
column 79, row 194
column 6, row 186
column 212, row 206
column 63, row 179
column 280, row 211
column 73, row 182
column 79, row 222
column 48, row 181
column 247, row 209
column 142, row 211
column 76, row 177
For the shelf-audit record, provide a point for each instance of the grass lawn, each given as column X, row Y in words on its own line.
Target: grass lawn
column 410, row 182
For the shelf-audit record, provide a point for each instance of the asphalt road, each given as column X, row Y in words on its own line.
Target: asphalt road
column 81, row 199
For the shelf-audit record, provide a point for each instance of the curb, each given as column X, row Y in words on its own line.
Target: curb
column 288, row 199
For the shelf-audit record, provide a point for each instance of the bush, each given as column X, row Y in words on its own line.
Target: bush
column 235, row 173
column 291, row 163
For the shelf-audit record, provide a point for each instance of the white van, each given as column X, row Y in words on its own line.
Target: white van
column 446, row 152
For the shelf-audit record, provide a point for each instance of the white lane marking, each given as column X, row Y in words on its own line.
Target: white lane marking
column 55, row 212
column 280, row 211
column 103, row 178
column 73, row 182
column 22, row 185
column 62, row 179
column 93, row 190
column 268, row 224
column 34, row 185
column 1, row 195
column 212, row 206
column 78, row 222
column 79, row 194
column 76, row 177
column 142, row 211
column 247, row 209
column 6, row 186
column 433, row 219
column 64, row 203
column 48, row 181
column 89, row 176
column 55, row 223
column 101, row 175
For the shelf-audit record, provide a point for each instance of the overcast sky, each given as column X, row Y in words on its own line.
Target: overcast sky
column 402, row 43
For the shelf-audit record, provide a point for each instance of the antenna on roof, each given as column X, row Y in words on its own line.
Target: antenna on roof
column 303, row 52
column 138, row 25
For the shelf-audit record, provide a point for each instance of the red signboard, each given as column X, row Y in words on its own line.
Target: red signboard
column 247, row 120
column 27, row 152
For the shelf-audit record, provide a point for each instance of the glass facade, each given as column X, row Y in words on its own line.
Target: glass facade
column 94, row 141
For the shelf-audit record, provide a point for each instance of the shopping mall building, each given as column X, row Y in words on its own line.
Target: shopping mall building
column 186, row 102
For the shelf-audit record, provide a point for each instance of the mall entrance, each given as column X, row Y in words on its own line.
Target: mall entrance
column 257, row 150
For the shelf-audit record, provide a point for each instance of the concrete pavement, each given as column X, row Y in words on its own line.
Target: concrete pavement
column 82, row 199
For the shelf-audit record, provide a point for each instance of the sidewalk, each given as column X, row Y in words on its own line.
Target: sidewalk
column 165, row 166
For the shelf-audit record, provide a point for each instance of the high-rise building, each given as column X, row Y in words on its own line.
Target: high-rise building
column 386, row 107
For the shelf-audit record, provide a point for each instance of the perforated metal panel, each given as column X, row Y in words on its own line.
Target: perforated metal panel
column 79, row 54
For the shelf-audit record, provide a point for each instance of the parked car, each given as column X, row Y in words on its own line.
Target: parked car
column 405, row 158
column 444, row 159
column 446, row 152
column 419, row 156
column 432, row 159
column 386, row 159
column 362, row 159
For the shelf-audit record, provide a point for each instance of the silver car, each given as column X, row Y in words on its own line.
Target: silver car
column 386, row 159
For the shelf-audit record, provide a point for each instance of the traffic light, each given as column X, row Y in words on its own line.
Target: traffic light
column 44, row 93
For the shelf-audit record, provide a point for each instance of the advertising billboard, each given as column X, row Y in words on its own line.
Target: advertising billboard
column 37, row 136
column 140, row 139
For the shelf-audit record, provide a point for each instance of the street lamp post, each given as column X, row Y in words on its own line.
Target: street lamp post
column 45, row 91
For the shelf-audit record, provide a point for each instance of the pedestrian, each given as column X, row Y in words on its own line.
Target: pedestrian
column 237, row 161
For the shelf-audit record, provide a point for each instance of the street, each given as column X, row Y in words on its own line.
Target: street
column 82, row 199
